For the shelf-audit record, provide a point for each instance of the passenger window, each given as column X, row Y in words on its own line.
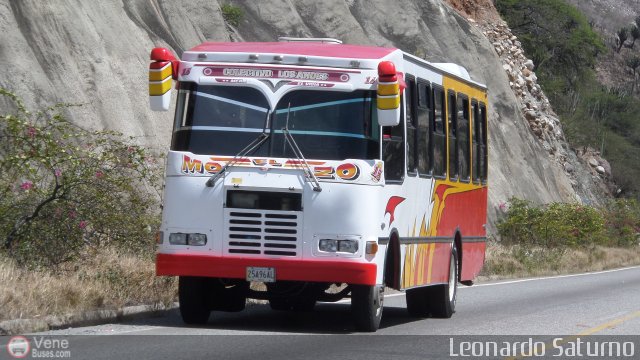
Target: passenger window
column 412, row 142
column 439, row 136
column 452, row 139
column 425, row 163
column 463, row 137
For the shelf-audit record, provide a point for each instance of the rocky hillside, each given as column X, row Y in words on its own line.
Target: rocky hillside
column 96, row 53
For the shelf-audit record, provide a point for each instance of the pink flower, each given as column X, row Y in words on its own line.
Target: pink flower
column 99, row 174
column 26, row 185
column 31, row 132
column 72, row 214
column 131, row 149
column 502, row 206
column 82, row 224
column 57, row 172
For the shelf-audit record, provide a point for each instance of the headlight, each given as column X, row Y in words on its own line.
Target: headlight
column 187, row 239
column 334, row 245
column 328, row 245
column 178, row 239
column 348, row 246
column 197, row 239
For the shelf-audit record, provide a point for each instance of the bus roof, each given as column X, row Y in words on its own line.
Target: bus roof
column 343, row 51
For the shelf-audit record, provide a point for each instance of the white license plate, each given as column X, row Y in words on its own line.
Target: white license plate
column 262, row 274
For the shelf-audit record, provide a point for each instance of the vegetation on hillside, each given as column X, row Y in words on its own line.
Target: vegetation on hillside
column 565, row 49
column 564, row 238
column 65, row 190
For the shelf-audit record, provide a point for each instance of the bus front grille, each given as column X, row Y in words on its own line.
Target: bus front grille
column 262, row 232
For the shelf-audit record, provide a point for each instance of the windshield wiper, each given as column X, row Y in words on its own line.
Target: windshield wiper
column 298, row 154
column 244, row 152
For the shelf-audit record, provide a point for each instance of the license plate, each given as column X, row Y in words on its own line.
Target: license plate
column 262, row 274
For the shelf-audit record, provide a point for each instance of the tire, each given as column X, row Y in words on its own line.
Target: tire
column 367, row 303
column 192, row 293
column 228, row 298
column 442, row 298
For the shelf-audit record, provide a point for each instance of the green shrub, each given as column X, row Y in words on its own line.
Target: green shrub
column 63, row 188
column 622, row 221
column 232, row 14
column 553, row 226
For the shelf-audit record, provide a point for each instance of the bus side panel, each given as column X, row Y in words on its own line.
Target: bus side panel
column 440, row 266
column 466, row 211
column 426, row 264
column 473, row 254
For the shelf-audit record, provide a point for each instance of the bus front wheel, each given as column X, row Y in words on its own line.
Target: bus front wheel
column 192, row 293
column 366, row 306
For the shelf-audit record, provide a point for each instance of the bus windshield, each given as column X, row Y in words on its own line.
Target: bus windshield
column 327, row 125
column 219, row 120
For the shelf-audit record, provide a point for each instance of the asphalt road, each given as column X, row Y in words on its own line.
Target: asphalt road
column 586, row 305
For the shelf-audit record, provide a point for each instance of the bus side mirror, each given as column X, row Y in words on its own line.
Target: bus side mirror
column 388, row 94
column 162, row 69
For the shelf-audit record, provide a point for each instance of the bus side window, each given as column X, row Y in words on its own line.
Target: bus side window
column 412, row 141
column 483, row 169
column 425, row 157
column 463, row 137
column 475, row 147
column 393, row 149
column 439, row 137
column 452, row 139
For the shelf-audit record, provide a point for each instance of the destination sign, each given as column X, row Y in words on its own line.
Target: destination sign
column 262, row 73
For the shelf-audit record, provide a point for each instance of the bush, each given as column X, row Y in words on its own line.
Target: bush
column 622, row 222
column 232, row 14
column 63, row 188
column 552, row 226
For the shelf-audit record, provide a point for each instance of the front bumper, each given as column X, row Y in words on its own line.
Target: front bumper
column 286, row 269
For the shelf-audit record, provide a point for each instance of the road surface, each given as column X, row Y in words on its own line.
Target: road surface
column 585, row 305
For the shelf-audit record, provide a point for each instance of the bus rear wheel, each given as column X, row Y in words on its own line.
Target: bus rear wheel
column 418, row 302
column 192, row 293
column 366, row 306
column 442, row 298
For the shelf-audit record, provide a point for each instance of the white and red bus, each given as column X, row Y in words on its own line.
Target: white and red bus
column 324, row 171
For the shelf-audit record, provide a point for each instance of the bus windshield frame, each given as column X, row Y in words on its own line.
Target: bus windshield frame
column 327, row 125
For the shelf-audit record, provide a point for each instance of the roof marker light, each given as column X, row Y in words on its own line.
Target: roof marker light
column 388, row 99
column 163, row 67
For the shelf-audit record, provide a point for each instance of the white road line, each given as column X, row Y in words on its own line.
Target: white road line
column 556, row 277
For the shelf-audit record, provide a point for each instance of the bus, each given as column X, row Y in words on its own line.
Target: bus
column 307, row 170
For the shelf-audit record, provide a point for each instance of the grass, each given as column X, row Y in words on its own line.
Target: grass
column 106, row 280
column 516, row 261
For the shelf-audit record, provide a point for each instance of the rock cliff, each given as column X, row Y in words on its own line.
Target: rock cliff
column 96, row 53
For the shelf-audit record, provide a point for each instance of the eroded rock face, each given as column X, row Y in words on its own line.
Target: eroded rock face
column 96, row 53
